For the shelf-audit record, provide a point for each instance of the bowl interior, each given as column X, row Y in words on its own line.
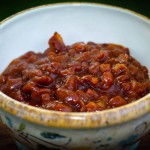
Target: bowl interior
column 32, row 29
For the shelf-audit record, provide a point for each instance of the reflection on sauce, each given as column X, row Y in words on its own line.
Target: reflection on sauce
column 79, row 78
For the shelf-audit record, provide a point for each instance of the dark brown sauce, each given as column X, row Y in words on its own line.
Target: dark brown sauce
column 79, row 78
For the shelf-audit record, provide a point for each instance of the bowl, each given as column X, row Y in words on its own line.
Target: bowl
column 35, row 128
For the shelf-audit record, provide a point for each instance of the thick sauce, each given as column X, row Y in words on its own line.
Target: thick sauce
column 77, row 78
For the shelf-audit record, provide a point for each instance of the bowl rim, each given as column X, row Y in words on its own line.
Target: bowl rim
column 75, row 120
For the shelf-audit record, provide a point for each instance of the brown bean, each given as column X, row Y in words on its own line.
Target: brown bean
column 2, row 79
column 50, row 105
column 71, row 83
column 13, row 84
column 71, row 52
column 126, row 86
column 78, row 78
column 63, row 108
column 119, row 69
column 66, row 72
column 79, row 47
column 28, row 87
column 30, row 73
column 61, row 58
column 84, row 57
column 145, row 71
column 68, row 97
column 46, row 98
column 82, row 96
column 53, row 67
column 126, row 50
column 117, row 101
column 94, row 67
column 92, row 94
column 123, row 58
column 43, row 80
column 123, row 78
column 18, row 96
column 56, row 43
column 90, row 79
column 105, row 67
column 76, row 65
column 101, row 104
column 107, row 80
column 104, row 98
column 36, row 94
column 140, row 76
column 91, row 106
column 133, row 69
column 103, row 56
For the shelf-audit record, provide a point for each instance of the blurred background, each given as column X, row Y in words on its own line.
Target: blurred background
column 9, row 7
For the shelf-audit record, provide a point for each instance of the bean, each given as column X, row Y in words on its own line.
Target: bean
column 79, row 47
column 56, row 43
column 82, row 96
column 68, row 97
column 105, row 67
column 94, row 67
column 107, row 80
column 119, row 69
column 44, row 80
column 92, row 94
column 103, row 56
column 76, row 78
column 91, row 106
column 91, row 79
column 30, row 73
column 117, row 101
column 63, row 108
column 71, row 83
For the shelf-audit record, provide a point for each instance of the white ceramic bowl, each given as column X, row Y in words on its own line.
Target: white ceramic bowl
column 30, row 30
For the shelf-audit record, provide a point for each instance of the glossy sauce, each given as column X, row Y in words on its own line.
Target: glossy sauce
column 77, row 78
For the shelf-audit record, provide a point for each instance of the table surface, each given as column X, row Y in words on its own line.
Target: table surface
column 6, row 141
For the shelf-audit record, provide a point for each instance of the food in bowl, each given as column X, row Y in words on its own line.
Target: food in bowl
column 76, row 78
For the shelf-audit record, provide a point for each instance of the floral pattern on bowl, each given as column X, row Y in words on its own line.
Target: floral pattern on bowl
column 50, row 138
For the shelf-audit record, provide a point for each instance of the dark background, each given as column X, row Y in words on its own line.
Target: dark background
column 9, row 7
